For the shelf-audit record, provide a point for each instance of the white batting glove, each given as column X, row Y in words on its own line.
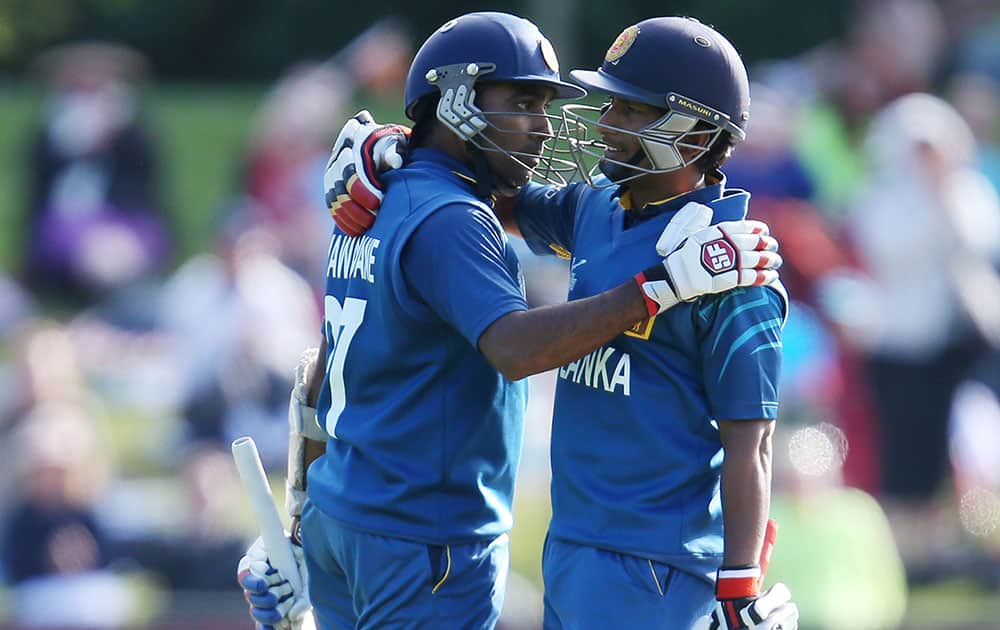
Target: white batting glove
column 772, row 610
column 274, row 604
column 363, row 150
column 688, row 220
column 702, row 258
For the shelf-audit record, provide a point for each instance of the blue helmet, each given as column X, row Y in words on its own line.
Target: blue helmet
column 494, row 47
column 685, row 68
column 504, row 47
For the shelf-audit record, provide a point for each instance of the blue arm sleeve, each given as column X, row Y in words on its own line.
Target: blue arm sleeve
column 458, row 263
column 740, row 340
column 546, row 216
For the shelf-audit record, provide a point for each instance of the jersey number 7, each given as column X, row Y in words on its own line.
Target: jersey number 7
column 341, row 324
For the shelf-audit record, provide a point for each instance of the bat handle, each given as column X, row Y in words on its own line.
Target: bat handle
column 770, row 535
column 279, row 548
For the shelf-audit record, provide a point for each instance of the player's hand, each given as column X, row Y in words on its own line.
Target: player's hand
column 702, row 258
column 274, row 604
column 771, row 610
column 363, row 150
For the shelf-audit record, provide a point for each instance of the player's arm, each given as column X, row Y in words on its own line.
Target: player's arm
column 746, row 488
column 740, row 337
column 527, row 342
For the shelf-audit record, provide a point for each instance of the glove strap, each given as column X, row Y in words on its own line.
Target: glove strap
column 737, row 582
column 652, row 307
column 656, row 273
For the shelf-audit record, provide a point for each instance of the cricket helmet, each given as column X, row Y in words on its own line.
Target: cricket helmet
column 683, row 67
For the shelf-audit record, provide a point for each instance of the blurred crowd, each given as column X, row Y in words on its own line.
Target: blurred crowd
column 125, row 372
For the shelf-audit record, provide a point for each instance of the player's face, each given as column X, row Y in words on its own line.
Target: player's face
column 632, row 116
column 519, row 127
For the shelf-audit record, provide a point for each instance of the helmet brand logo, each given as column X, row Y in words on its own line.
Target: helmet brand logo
column 693, row 107
column 702, row 41
column 549, row 55
column 621, row 45
column 447, row 26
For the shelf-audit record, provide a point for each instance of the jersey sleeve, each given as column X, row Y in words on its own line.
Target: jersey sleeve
column 546, row 216
column 740, row 343
column 457, row 262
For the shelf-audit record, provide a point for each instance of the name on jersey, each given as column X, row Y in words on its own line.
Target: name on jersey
column 352, row 257
column 595, row 370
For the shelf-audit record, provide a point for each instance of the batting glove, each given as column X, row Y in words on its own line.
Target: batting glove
column 702, row 258
column 274, row 604
column 363, row 150
column 739, row 605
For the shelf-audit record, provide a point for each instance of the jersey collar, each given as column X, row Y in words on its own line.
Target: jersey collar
column 438, row 159
column 715, row 185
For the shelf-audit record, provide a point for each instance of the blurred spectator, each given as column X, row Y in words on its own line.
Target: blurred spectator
column 239, row 320
column 835, row 548
column 51, row 530
column 199, row 551
column 927, row 232
column 94, row 218
column 766, row 163
column 45, row 368
column 976, row 26
column 294, row 129
column 288, row 151
column 974, row 440
column 54, row 552
column 783, row 191
column 977, row 99
column 892, row 48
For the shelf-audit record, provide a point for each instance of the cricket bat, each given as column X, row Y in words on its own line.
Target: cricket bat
column 279, row 547
column 770, row 535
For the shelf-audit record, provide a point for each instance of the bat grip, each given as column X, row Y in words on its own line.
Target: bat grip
column 279, row 548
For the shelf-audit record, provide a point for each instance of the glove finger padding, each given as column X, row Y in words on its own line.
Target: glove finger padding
column 688, row 220
column 714, row 259
column 751, row 260
column 351, row 218
column 744, row 226
column 771, row 600
column 772, row 610
column 272, row 599
column 363, row 150
column 753, row 242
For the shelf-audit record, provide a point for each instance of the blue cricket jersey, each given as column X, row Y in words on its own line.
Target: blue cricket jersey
column 636, row 453
column 426, row 433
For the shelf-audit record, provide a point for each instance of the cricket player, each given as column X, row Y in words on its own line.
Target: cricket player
column 427, row 337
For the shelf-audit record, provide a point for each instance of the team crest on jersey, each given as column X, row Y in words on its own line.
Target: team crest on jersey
column 621, row 45
column 718, row 256
column 643, row 329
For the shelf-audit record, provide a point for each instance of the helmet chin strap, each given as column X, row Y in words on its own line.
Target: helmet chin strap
column 488, row 182
column 484, row 177
column 617, row 172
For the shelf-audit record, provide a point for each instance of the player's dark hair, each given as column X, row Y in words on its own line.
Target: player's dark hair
column 424, row 116
column 718, row 153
